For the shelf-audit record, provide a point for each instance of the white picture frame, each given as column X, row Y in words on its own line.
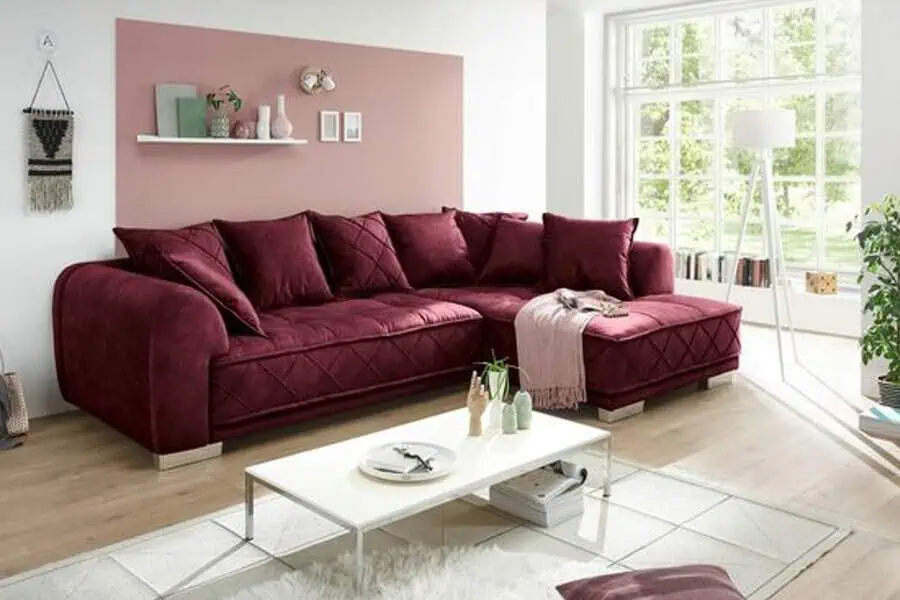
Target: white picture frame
column 353, row 127
column 329, row 126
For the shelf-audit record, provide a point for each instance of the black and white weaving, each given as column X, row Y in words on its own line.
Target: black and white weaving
column 48, row 142
column 49, row 136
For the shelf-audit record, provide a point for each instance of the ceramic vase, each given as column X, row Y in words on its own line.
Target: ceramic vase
column 523, row 404
column 262, row 122
column 498, row 383
column 219, row 125
column 510, row 424
column 281, row 126
column 244, row 130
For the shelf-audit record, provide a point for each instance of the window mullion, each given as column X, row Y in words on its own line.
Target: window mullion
column 821, row 106
column 674, row 154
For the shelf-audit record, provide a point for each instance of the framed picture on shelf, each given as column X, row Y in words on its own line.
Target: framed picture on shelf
column 352, row 127
column 329, row 126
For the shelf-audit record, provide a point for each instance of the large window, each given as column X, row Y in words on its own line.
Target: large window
column 680, row 78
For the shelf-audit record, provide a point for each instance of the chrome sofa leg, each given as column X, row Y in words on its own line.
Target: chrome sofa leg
column 611, row 416
column 165, row 462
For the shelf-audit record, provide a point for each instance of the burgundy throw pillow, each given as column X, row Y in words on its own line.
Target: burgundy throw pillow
column 516, row 253
column 690, row 582
column 431, row 249
column 478, row 229
column 194, row 256
column 582, row 254
column 275, row 261
column 361, row 258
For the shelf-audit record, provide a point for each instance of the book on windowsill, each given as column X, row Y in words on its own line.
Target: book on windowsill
column 881, row 422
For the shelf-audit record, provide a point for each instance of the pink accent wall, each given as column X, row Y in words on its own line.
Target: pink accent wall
column 410, row 159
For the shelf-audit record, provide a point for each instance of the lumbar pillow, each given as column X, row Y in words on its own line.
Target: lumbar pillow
column 431, row 248
column 193, row 256
column 516, row 253
column 582, row 254
column 276, row 262
column 361, row 258
column 478, row 230
column 690, row 582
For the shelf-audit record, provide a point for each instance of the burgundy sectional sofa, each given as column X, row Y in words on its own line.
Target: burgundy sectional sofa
column 156, row 347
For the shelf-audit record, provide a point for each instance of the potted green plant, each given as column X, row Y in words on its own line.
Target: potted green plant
column 879, row 239
column 495, row 378
column 219, row 125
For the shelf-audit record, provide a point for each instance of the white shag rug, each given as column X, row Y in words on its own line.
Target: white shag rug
column 420, row 572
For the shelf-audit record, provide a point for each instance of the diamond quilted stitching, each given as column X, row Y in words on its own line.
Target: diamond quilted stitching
column 361, row 253
column 361, row 343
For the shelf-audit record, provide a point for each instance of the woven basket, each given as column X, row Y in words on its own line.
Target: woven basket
column 17, row 422
column 890, row 392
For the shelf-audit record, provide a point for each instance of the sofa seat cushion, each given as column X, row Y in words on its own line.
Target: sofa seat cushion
column 314, row 353
column 663, row 336
column 500, row 303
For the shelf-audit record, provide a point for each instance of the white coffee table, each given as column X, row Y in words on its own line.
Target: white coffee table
column 328, row 482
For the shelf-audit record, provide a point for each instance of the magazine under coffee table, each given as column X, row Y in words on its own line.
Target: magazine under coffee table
column 328, row 482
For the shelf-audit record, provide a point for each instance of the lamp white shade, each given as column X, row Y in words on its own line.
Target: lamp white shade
column 770, row 128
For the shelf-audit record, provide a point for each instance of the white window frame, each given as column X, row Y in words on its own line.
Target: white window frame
column 623, row 111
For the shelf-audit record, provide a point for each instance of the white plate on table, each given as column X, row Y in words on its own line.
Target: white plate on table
column 442, row 463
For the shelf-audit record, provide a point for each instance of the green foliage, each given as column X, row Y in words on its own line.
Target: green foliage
column 880, row 243
column 795, row 35
column 500, row 366
column 224, row 94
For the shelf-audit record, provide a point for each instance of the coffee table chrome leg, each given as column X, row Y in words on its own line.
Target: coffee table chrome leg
column 359, row 560
column 248, row 507
column 607, row 483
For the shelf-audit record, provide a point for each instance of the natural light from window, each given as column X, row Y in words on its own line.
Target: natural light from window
column 682, row 75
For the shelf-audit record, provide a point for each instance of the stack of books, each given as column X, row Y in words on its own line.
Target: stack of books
column 546, row 497
column 710, row 266
column 881, row 422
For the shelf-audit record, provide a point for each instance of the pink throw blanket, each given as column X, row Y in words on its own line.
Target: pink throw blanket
column 549, row 343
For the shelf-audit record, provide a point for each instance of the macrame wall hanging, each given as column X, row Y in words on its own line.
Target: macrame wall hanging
column 48, row 142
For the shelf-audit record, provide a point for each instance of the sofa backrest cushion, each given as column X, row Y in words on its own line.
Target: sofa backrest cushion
column 478, row 230
column 584, row 254
column 193, row 256
column 431, row 249
column 516, row 254
column 361, row 257
column 275, row 261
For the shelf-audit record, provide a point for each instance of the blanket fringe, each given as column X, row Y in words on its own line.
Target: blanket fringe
column 558, row 398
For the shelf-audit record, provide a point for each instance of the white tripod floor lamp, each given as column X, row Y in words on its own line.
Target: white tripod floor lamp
column 763, row 130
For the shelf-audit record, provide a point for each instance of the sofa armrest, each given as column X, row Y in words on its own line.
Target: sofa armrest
column 135, row 351
column 651, row 269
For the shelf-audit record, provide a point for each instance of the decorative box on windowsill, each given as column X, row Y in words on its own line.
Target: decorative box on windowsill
column 822, row 283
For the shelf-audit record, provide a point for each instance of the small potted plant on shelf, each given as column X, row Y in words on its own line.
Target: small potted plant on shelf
column 219, row 125
column 879, row 238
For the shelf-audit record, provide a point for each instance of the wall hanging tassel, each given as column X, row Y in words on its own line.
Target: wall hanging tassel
column 48, row 138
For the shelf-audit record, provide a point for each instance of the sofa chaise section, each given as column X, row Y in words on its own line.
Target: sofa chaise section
column 667, row 340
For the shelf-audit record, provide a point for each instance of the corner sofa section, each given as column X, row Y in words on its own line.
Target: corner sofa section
column 154, row 359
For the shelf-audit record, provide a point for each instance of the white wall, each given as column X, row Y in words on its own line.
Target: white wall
column 565, row 109
column 503, row 43
column 880, row 122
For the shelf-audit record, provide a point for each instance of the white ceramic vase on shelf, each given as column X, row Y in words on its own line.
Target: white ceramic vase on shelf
column 262, row 122
column 281, row 126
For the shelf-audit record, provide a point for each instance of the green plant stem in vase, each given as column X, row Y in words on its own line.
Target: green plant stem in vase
column 879, row 240
column 495, row 378
column 219, row 101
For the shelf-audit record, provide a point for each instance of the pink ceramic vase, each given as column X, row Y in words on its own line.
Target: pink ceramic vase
column 281, row 126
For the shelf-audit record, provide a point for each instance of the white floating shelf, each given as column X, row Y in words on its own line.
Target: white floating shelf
column 145, row 138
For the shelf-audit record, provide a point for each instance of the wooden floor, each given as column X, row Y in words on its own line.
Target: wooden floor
column 78, row 486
